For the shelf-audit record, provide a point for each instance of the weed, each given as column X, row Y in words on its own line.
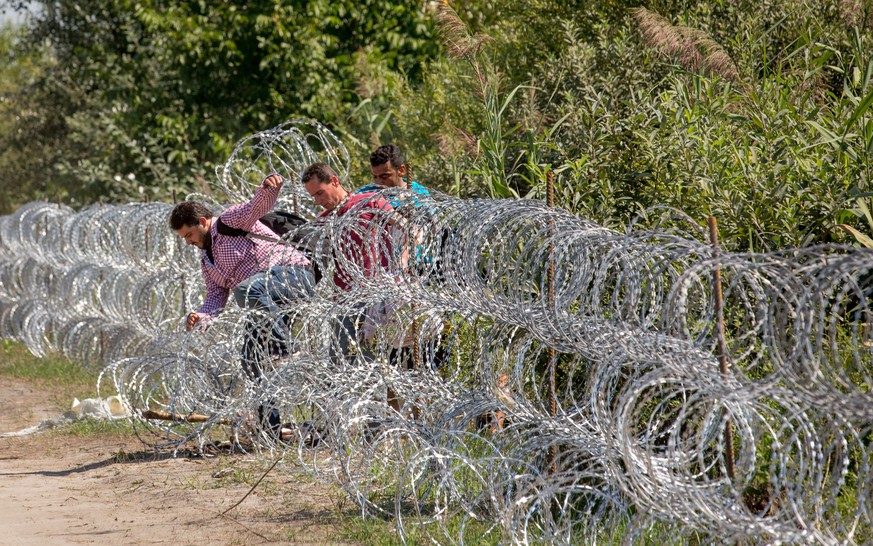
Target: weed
column 101, row 428
column 62, row 378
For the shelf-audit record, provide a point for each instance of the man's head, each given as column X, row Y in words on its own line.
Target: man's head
column 388, row 166
column 323, row 185
column 191, row 221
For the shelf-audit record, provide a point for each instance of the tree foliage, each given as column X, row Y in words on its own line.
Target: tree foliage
column 757, row 112
column 151, row 95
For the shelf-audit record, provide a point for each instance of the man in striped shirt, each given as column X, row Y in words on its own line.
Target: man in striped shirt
column 261, row 274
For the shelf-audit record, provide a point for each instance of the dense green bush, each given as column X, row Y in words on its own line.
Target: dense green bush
column 757, row 113
column 771, row 137
column 152, row 95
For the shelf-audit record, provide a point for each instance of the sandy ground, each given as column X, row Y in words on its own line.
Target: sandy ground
column 59, row 488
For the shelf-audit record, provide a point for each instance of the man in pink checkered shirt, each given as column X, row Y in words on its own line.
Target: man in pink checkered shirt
column 262, row 274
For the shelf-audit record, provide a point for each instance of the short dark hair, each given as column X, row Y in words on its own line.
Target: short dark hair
column 389, row 153
column 321, row 171
column 188, row 213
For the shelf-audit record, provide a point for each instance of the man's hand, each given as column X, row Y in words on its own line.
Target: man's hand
column 192, row 320
column 273, row 181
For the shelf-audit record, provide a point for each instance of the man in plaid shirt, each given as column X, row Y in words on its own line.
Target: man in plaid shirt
column 262, row 274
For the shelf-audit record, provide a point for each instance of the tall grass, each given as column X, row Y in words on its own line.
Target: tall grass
column 59, row 376
column 757, row 114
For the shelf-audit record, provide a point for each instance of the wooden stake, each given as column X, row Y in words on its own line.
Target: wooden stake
column 722, row 345
column 296, row 198
column 189, row 418
column 410, row 257
column 550, row 281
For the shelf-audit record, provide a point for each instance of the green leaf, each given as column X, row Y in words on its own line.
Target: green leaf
column 859, row 111
column 866, row 210
column 865, row 241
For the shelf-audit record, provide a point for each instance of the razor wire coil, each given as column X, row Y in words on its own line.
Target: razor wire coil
column 465, row 298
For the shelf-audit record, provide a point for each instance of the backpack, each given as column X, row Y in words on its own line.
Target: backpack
column 280, row 223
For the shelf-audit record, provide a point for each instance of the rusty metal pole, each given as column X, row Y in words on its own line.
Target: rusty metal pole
column 184, row 295
column 550, row 281
column 410, row 257
column 292, row 176
column 721, row 344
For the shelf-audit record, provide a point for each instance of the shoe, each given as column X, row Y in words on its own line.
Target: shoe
column 373, row 429
column 269, row 421
column 306, row 432
column 284, row 358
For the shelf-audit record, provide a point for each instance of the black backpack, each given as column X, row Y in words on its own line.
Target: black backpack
column 280, row 223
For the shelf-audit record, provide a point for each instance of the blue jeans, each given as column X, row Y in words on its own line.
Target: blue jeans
column 279, row 285
column 268, row 291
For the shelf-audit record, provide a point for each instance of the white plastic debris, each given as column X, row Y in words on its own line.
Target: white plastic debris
column 112, row 407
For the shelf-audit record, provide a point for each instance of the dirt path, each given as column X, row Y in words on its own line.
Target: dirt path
column 60, row 488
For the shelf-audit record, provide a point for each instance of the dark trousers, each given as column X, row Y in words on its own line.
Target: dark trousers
column 267, row 336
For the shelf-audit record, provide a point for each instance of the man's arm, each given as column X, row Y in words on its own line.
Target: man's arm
column 216, row 298
column 244, row 216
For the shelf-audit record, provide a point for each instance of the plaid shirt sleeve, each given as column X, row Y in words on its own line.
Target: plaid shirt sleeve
column 216, row 296
column 246, row 215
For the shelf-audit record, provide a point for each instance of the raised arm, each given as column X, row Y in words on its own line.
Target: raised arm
column 244, row 216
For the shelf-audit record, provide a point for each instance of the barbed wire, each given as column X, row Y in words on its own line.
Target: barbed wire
column 464, row 445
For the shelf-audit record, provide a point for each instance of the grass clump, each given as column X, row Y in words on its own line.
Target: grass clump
column 97, row 428
column 61, row 378
column 52, row 370
column 378, row 532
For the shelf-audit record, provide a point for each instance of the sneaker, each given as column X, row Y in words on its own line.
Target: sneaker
column 373, row 429
column 269, row 421
column 285, row 358
column 306, row 432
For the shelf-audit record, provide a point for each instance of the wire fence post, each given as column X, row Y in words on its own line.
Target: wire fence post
column 411, row 258
column 721, row 344
column 295, row 199
column 550, row 281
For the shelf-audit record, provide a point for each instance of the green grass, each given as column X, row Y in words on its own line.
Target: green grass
column 17, row 362
column 96, row 428
column 370, row 531
column 62, row 378
column 378, row 532
column 246, row 473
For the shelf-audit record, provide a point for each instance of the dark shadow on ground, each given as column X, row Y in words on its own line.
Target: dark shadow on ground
column 122, row 457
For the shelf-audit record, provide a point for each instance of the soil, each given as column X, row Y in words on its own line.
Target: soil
column 57, row 487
